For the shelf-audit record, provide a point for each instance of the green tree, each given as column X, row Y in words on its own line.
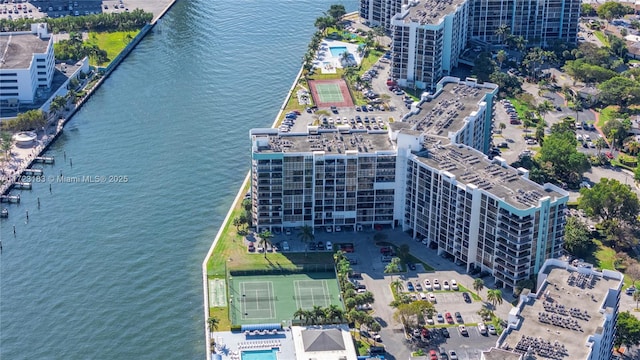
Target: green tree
column 324, row 22
column 393, row 267
column 636, row 297
column 336, row 11
column 616, row 131
column 478, row 285
column 265, row 240
column 621, row 91
column 58, row 103
column 334, row 314
column 577, row 239
column 560, row 153
column 608, row 200
column 301, row 314
column 627, row 330
column 587, row 10
column 403, row 253
column 612, row 10
column 397, row 285
column 306, row 236
column 501, row 56
column 212, row 323
column 509, row 85
column 237, row 223
column 502, row 32
column 6, row 142
column 494, row 296
column 483, row 66
column 544, row 108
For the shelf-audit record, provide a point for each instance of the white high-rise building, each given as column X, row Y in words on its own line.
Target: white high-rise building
column 426, row 174
column 27, row 63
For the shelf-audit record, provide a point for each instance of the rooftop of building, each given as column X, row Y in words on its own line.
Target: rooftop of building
column 500, row 354
column 447, row 110
column 335, row 141
column 472, row 167
column 429, row 11
column 17, row 49
column 563, row 316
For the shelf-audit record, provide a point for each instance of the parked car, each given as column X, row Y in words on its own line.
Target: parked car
column 410, row 286
column 440, row 318
column 449, row 318
column 492, row 329
column 433, row 355
column 463, row 330
column 466, row 297
column 445, row 332
column 453, row 355
column 285, row 246
column 432, row 297
column 436, row 284
column 482, row 328
column 320, row 245
column 445, row 285
column 411, row 266
column 427, row 285
column 454, row 285
column 419, row 287
column 458, row 317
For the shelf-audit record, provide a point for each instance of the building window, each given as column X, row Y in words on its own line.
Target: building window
column 10, row 94
column 42, row 73
column 9, row 81
column 8, row 74
column 40, row 60
column 42, row 66
column 42, row 79
column 8, row 88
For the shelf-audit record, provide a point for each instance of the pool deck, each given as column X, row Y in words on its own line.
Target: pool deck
column 231, row 344
column 328, row 63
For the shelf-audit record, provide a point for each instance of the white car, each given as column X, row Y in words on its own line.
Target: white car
column 427, row 285
column 329, row 246
column 436, row 284
column 445, row 285
column 454, row 285
column 432, row 298
column 338, row 228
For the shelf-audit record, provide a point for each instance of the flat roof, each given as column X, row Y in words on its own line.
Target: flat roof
column 17, row 49
column 331, row 141
column 470, row 166
column 566, row 297
column 446, row 112
column 430, row 11
column 500, row 354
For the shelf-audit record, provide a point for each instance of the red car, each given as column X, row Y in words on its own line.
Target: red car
column 386, row 250
column 609, row 155
column 449, row 318
column 433, row 355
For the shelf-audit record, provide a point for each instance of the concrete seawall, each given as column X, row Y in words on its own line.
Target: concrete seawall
column 6, row 188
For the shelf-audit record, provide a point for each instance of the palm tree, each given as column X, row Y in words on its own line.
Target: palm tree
column 485, row 312
column 544, row 108
column 265, row 240
column 633, row 147
column 212, row 323
column 600, row 144
column 393, row 267
column 502, row 32
column 318, row 315
column 494, row 296
column 375, row 327
column 301, row 314
column 636, row 297
column 334, row 314
column 237, row 223
column 478, row 285
column 576, row 105
column 398, row 285
column 501, row 56
column 306, row 236
column 502, row 126
column 344, row 59
column 58, row 103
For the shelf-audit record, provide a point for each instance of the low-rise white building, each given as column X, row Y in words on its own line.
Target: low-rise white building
column 26, row 64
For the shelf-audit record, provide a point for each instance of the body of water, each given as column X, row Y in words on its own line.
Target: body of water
column 112, row 270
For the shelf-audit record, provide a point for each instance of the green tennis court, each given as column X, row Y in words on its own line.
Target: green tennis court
column 329, row 93
column 274, row 298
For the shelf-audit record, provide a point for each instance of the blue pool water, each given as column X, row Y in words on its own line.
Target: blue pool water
column 259, row 355
column 337, row 50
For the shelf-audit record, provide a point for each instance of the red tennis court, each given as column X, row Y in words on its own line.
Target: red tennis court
column 328, row 93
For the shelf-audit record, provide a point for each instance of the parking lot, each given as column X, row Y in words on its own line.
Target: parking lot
column 370, row 264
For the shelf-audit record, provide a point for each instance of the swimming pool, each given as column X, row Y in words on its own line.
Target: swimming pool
column 260, row 354
column 337, row 50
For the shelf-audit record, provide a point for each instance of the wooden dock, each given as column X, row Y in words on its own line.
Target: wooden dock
column 44, row 160
column 9, row 198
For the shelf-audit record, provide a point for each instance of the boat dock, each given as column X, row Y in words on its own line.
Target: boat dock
column 21, row 185
column 9, row 198
column 33, row 172
column 44, row 159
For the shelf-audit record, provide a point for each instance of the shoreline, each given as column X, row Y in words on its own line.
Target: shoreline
column 13, row 175
column 239, row 197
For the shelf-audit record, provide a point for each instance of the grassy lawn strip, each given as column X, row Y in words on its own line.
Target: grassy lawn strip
column 602, row 37
column 607, row 114
column 521, row 108
column 111, row 42
column 474, row 296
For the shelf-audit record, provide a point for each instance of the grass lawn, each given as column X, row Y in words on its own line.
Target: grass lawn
column 602, row 37
column 521, row 108
column 111, row 42
column 607, row 114
column 604, row 257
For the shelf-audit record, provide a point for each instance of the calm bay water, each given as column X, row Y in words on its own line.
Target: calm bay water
column 112, row 270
